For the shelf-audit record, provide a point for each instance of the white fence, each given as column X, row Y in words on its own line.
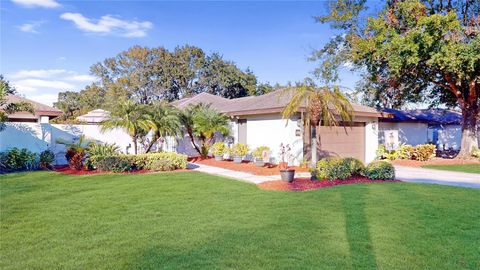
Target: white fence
column 38, row 137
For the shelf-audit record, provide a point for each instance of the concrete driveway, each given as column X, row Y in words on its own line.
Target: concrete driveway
column 429, row 176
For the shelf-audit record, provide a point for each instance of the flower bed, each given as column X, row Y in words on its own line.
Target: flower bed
column 245, row 166
column 302, row 184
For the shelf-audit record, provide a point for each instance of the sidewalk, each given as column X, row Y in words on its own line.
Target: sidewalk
column 441, row 177
column 242, row 176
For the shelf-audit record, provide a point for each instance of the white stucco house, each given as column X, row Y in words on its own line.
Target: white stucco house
column 438, row 126
column 257, row 121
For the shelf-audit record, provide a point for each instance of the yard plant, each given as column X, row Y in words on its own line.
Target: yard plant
column 199, row 221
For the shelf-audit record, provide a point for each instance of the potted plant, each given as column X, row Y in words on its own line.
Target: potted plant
column 238, row 152
column 219, row 149
column 286, row 173
column 261, row 155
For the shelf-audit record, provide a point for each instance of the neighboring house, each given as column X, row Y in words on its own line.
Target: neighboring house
column 438, row 126
column 43, row 113
column 94, row 117
column 257, row 121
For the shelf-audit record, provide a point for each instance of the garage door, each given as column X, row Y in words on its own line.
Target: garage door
column 343, row 142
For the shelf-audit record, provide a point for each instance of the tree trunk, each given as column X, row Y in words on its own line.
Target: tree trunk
column 152, row 142
column 307, row 141
column 192, row 140
column 469, row 130
column 318, row 143
column 135, row 146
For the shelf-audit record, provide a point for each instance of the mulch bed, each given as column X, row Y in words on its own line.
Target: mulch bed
column 70, row 171
column 302, row 184
column 434, row 161
column 245, row 166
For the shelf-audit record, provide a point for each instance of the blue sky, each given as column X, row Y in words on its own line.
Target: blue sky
column 48, row 46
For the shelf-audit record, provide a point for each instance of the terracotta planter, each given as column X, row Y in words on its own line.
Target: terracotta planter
column 237, row 159
column 219, row 158
column 283, row 165
column 287, row 175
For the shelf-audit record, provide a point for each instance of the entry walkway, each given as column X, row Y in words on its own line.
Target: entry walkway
column 441, row 177
column 242, row 176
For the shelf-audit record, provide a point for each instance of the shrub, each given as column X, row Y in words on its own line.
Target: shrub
column 239, row 150
column 381, row 152
column 424, row 152
column 18, row 160
column 332, row 168
column 406, row 151
column 152, row 161
column 47, row 158
column 119, row 163
column 219, row 148
column 355, row 166
column 261, row 153
column 380, row 170
column 105, row 149
column 76, row 161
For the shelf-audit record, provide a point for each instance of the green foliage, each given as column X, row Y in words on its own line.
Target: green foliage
column 102, row 149
column 406, row 151
column 46, row 159
column 333, row 168
column 165, row 122
column 380, row 170
column 239, row 150
column 381, row 152
column 151, row 161
column 355, row 166
column 258, row 153
column 219, row 149
column 18, row 160
column 424, row 152
column 201, row 122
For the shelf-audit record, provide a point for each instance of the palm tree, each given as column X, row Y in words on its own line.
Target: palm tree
column 323, row 106
column 166, row 122
column 131, row 116
column 202, row 122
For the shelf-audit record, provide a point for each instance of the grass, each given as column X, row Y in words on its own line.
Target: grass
column 199, row 221
column 468, row 168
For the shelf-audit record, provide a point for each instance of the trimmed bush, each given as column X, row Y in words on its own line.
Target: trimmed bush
column 18, row 160
column 239, row 150
column 120, row 163
column 332, row 168
column 476, row 153
column 219, row 149
column 424, row 152
column 152, row 161
column 355, row 166
column 380, row 170
column 406, row 151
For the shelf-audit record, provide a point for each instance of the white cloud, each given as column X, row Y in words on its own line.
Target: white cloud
column 37, row 3
column 109, row 24
column 43, row 85
column 30, row 27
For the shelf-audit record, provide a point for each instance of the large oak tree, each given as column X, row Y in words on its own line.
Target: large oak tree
column 411, row 51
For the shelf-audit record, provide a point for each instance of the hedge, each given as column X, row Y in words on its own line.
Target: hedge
column 380, row 170
column 333, row 168
column 152, row 161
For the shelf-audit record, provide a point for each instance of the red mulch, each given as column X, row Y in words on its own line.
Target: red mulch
column 245, row 166
column 67, row 170
column 434, row 161
column 301, row 184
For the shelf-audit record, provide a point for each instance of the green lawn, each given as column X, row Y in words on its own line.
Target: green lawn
column 195, row 221
column 468, row 168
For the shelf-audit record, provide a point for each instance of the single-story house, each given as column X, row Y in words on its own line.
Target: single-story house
column 42, row 113
column 257, row 121
column 438, row 126
column 94, row 117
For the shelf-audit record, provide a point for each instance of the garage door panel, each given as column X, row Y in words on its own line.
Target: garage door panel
column 336, row 141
